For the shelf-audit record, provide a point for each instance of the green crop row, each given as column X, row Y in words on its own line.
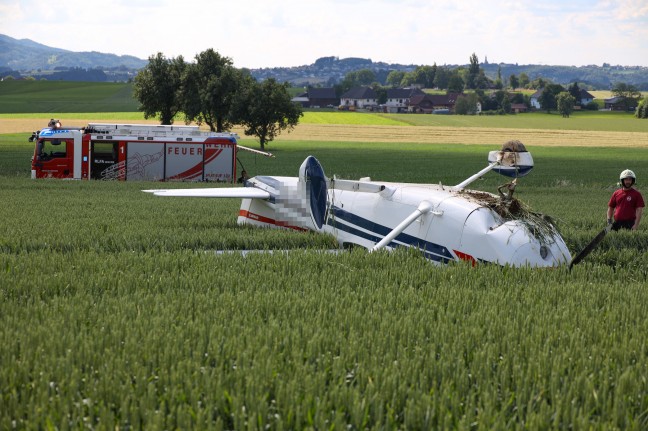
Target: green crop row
column 117, row 311
column 584, row 121
column 304, row 340
column 65, row 96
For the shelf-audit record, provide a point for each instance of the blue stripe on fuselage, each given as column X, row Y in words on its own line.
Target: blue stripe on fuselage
column 432, row 251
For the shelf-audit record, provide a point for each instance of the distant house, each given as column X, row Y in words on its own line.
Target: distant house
column 317, row 98
column 359, row 97
column 518, row 107
column 398, row 99
column 428, row 103
column 421, row 104
column 585, row 97
column 620, row 104
column 321, row 97
column 302, row 99
column 534, row 100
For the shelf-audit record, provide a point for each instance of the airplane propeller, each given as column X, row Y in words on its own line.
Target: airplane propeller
column 591, row 246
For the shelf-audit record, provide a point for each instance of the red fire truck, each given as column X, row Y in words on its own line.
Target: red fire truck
column 134, row 152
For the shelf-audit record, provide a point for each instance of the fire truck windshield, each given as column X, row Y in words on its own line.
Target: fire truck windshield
column 50, row 148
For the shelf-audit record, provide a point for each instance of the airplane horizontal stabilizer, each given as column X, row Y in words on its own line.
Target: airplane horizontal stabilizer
column 232, row 192
column 356, row 186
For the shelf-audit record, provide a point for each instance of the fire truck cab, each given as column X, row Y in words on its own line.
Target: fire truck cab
column 133, row 152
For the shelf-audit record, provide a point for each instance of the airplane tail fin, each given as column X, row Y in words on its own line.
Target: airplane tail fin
column 313, row 187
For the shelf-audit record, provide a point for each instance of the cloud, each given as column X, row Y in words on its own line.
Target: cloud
column 631, row 10
column 258, row 33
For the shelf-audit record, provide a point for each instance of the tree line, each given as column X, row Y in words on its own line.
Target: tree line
column 454, row 80
column 212, row 91
column 496, row 96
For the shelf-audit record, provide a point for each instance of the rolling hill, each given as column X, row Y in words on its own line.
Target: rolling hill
column 25, row 54
column 24, row 57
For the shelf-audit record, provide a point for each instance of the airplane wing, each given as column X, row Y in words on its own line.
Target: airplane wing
column 234, row 192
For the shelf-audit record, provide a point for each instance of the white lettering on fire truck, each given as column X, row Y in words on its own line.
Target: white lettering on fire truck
column 184, row 151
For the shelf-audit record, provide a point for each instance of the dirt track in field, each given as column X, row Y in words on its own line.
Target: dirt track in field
column 17, row 125
column 410, row 134
column 465, row 135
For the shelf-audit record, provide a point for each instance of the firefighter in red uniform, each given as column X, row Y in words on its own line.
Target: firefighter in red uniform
column 626, row 203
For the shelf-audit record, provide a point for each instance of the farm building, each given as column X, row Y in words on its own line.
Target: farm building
column 398, row 99
column 421, row 103
column 359, row 97
column 534, row 100
column 518, row 108
column 317, row 97
column 620, row 104
column 428, row 103
column 585, row 97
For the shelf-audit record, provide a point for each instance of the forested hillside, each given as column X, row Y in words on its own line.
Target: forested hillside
column 26, row 58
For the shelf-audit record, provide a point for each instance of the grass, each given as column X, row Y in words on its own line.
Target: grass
column 354, row 118
column 582, row 121
column 104, row 116
column 65, row 96
column 116, row 312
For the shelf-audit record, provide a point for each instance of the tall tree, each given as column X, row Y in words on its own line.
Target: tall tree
column 408, row 79
column 265, row 110
column 466, row 104
column 357, row 78
column 395, row 78
column 482, row 82
column 381, row 93
column 548, row 97
column 424, row 76
column 628, row 93
column 442, row 78
column 365, row 76
column 537, row 84
column 503, row 101
column 156, row 87
column 473, row 71
column 209, row 87
column 524, row 80
column 455, row 83
column 565, row 103
column 574, row 90
column 499, row 84
column 642, row 109
column 514, row 82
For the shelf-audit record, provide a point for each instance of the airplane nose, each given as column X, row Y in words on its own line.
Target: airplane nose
column 535, row 254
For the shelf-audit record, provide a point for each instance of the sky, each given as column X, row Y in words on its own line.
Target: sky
column 286, row 33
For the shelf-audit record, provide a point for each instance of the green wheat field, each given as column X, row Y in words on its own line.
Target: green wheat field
column 116, row 311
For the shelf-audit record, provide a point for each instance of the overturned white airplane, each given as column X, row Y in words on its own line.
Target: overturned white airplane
column 446, row 223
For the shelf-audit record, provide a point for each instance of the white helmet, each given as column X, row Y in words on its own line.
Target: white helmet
column 627, row 174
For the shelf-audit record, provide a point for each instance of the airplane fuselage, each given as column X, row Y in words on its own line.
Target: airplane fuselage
column 445, row 223
column 458, row 226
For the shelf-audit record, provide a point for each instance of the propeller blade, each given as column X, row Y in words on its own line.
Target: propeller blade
column 591, row 246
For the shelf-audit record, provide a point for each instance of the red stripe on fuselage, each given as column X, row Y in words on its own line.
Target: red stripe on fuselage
column 466, row 257
column 267, row 220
